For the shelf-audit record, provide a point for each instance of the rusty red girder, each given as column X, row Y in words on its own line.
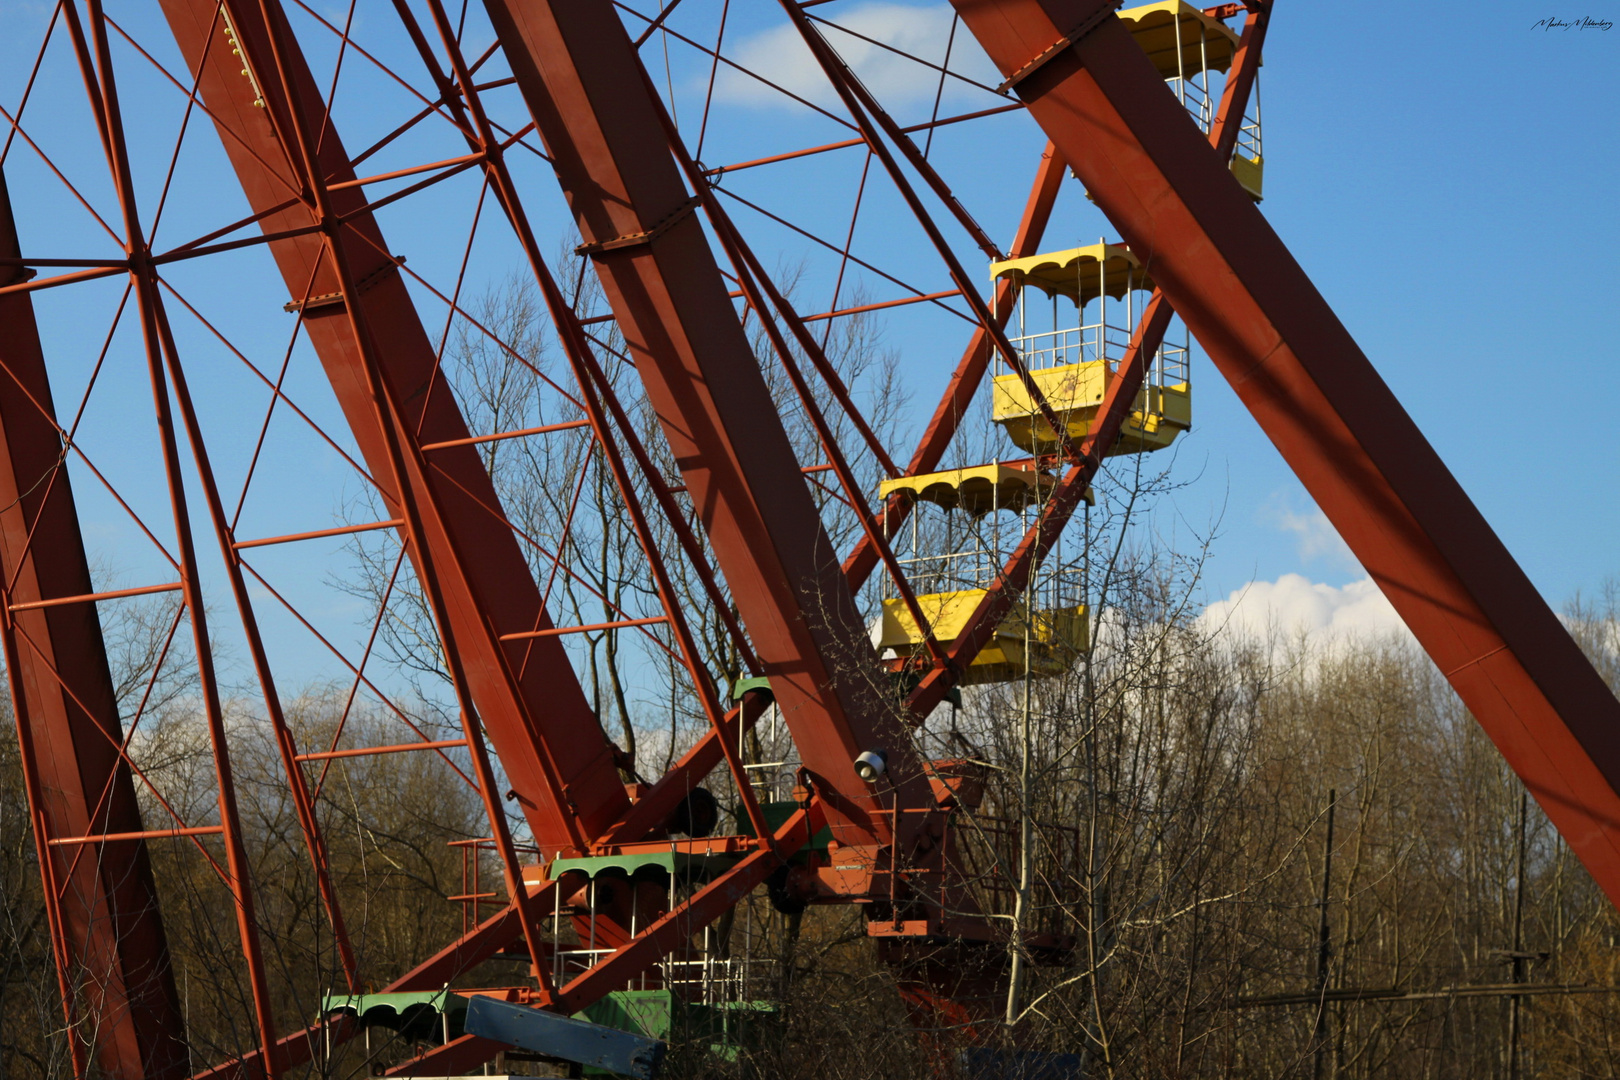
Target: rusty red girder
column 941, row 429
column 969, row 374
column 579, row 75
column 597, row 395
column 95, row 64
column 1323, row 405
column 557, row 759
column 108, row 940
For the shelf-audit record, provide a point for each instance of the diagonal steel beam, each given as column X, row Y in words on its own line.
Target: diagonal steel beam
column 1323, row 405
column 556, row 756
column 586, row 91
column 858, row 565
column 107, row 936
column 445, row 966
column 969, row 373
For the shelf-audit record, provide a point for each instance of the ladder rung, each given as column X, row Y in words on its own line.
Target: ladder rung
column 558, row 631
column 475, row 439
column 318, row 533
column 807, row 470
column 363, row 751
column 882, row 304
column 149, row 834
column 93, row 597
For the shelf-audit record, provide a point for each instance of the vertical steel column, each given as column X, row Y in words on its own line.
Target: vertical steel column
column 585, row 88
column 303, row 804
column 111, row 952
column 418, row 499
column 95, row 62
column 1323, row 405
column 554, row 751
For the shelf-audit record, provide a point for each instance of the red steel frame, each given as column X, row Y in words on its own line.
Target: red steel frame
column 526, row 693
column 636, row 192
column 109, row 946
column 607, row 143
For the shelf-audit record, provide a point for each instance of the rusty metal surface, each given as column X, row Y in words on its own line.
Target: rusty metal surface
column 581, row 79
column 640, row 199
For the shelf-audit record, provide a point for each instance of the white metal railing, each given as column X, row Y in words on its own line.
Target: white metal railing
column 772, row 781
column 1099, row 341
column 1195, row 97
column 1201, row 105
column 1171, row 366
column 706, row 980
column 1071, row 345
column 1248, row 140
column 721, row 981
column 930, row 572
column 1194, row 93
column 949, row 571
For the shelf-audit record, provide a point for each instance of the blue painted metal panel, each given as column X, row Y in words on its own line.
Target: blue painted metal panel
column 564, row 1037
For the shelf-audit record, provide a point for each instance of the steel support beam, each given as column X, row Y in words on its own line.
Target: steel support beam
column 443, row 967
column 108, row 940
column 556, row 756
column 585, row 87
column 858, row 565
column 1319, row 399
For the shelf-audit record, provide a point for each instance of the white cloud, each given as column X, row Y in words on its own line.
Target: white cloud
column 1294, row 607
column 780, row 55
column 1315, row 535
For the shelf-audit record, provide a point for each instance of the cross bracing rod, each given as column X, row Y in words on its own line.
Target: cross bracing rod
column 764, row 298
column 416, row 496
column 286, row 746
column 443, row 967
column 158, row 348
column 942, row 427
column 863, row 108
column 539, row 722
column 970, row 373
column 970, row 370
column 594, row 389
column 413, row 464
column 1323, row 405
column 1012, row 580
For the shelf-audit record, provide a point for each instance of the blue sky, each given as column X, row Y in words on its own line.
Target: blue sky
column 1447, row 181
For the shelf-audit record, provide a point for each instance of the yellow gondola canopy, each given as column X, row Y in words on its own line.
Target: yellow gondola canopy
column 1082, row 274
column 977, row 490
column 1205, row 42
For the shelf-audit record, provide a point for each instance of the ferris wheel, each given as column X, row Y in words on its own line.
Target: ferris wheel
column 260, row 334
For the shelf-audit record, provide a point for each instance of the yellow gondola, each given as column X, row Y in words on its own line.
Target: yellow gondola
column 1072, row 368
